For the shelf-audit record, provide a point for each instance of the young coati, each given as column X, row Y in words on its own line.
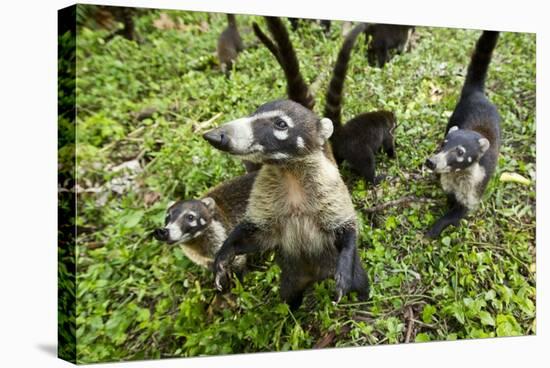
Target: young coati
column 299, row 206
column 385, row 39
column 469, row 153
column 200, row 226
column 362, row 137
column 229, row 44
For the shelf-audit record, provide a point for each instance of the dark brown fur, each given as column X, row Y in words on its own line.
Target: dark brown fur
column 229, row 44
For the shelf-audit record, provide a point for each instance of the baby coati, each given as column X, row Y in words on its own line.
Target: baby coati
column 299, row 206
column 469, row 153
column 386, row 38
column 229, row 44
column 362, row 137
column 200, row 226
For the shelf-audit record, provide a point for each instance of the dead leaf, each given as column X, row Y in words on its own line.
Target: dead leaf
column 164, row 22
column 150, row 198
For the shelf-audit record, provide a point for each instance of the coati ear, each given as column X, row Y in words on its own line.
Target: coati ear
column 326, row 129
column 209, row 202
column 453, row 129
column 484, row 144
column 170, row 204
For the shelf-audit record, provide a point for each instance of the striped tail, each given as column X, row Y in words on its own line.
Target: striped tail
column 479, row 64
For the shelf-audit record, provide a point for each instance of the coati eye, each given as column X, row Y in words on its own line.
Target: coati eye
column 460, row 151
column 189, row 217
column 281, row 124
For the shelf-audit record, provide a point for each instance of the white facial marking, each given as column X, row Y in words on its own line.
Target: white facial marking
column 241, row 133
column 457, row 169
column 470, row 159
column 278, row 155
column 454, row 128
column 440, row 161
column 272, row 114
column 280, row 134
column 202, row 221
column 445, row 141
column 300, row 143
column 459, row 158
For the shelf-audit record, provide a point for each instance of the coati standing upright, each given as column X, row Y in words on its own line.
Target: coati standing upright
column 358, row 140
column 386, row 38
column 200, row 226
column 469, row 153
column 299, row 205
column 229, row 44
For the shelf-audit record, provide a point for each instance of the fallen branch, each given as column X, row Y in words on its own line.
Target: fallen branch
column 410, row 324
column 398, row 202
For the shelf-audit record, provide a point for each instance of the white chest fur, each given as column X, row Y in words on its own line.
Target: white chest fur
column 297, row 211
column 464, row 185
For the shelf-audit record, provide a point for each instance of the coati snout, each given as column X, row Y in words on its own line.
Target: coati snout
column 461, row 148
column 185, row 220
column 278, row 131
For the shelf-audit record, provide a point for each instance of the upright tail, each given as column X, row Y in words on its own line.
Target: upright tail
column 479, row 64
column 282, row 49
column 333, row 107
column 232, row 20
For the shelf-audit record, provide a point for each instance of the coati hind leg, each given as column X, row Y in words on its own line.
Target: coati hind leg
column 240, row 241
column 364, row 163
column 292, row 289
column 452, row 217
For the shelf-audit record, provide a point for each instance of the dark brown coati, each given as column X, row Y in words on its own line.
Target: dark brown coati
column 469, row 153
column 229, row 44
column 358, row 140
column 200, row 226
column 299, row 206
column 385, row 39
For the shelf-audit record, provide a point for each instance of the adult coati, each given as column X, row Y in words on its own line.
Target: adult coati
column 229, row 44
column 385, row 39
column 469, row 153
column 299, row 206
column 358, row 140
column 200, row 226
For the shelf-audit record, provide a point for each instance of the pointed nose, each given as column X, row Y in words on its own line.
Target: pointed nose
column 430, row 164
column 161, row 234
column 217, row 138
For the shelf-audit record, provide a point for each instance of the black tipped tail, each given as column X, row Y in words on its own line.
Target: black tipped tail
column 479, row 64
column 333, row 105
column 282, row 49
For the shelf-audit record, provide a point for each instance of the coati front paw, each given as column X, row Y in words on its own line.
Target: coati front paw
column 343, row 284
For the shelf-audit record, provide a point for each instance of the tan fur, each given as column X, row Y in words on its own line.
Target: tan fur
column 464, row 184
column 300, row 216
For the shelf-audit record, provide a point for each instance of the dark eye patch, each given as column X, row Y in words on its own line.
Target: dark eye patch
column 281, row 124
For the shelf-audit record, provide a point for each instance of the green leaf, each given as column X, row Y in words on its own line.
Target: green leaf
column 507, row 326
column 486, row 318
column 428, row 312
column 422, row 337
